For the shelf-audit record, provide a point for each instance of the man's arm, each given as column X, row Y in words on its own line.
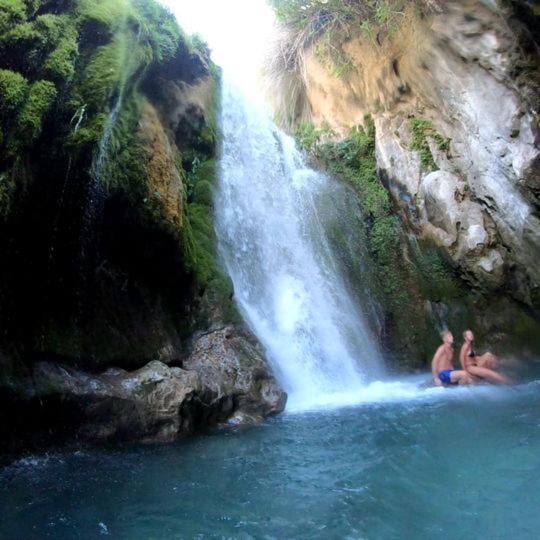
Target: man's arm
column 462, row 356
column 435, row 365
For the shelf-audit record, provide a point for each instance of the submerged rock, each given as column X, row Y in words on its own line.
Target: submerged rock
column 225, row 378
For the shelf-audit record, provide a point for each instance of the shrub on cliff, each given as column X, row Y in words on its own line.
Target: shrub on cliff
column 60, row 64
column 40, row 98
column 13, row 90
column 11, row 12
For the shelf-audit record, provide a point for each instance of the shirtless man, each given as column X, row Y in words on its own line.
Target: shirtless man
column 442, row 366
column 480, row 366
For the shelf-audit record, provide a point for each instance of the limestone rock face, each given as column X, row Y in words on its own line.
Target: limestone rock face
column 461, row 69
column 224, row 379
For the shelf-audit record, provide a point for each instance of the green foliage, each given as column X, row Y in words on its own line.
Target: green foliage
column 308, row 136
column 87, row 137
column 50, row 27
column 203, row 194
column 60, row 64
column 109, row 14
column 104, row 72
column 12, row 12
column 159, row 28
column 13, row 90
column 421, row 130
column 22, row 35
column 402, row 277
column 354, row 159
column 40, row 98
column 202, row 248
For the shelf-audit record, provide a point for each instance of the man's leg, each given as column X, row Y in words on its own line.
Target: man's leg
column 489, row 375
column 461, row 377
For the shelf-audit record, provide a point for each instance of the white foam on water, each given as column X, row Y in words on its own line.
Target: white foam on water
column 409, row 389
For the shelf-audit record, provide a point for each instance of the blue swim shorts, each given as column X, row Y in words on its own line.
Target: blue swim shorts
column 445, row 377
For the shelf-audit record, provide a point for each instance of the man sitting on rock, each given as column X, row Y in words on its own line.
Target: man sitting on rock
column 442, row 365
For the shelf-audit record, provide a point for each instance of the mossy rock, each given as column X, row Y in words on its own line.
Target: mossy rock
column 421, row 130
column 40, row 98
column 60, row 64
column 203, row 193
column 12, row 12
column 13, row 91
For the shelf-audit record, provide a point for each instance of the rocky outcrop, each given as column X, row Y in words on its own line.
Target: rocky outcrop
column 461, row 70
column 454, row 97
column 225, row 379
column 149, row 404
column 231, row 367
column 108, row 142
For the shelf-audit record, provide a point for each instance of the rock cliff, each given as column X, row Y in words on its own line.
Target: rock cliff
column 452, row 88
column 108, row 144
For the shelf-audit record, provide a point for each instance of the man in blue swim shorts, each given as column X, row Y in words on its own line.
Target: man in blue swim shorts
column 442, row 365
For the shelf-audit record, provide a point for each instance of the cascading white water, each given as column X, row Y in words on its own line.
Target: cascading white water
column 272, row 216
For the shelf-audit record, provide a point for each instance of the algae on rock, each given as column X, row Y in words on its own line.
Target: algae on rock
column 90, row 86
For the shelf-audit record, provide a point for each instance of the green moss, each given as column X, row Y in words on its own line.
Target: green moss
column 60, row 64
column 40, row 99
column 104, row 72
column 422, row 130
column 203, row 194
column 160, row 30
column 12, row 12
column 88, row 136
column 202, row 261
column 201, row 235
column 105, row 13
column 125, row 163
column 50, row 27
column 23, row 35
column 13, row 91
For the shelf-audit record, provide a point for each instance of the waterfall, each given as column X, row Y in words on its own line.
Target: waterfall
column 272, row 220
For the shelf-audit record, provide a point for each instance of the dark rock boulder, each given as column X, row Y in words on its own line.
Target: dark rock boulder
column 146, row 404
column 225, row 379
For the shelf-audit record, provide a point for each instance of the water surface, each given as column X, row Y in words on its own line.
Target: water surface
column 448, row 464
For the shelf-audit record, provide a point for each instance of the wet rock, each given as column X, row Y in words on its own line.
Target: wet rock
column 224, row 379
column 229, row 363
column 146, row 404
